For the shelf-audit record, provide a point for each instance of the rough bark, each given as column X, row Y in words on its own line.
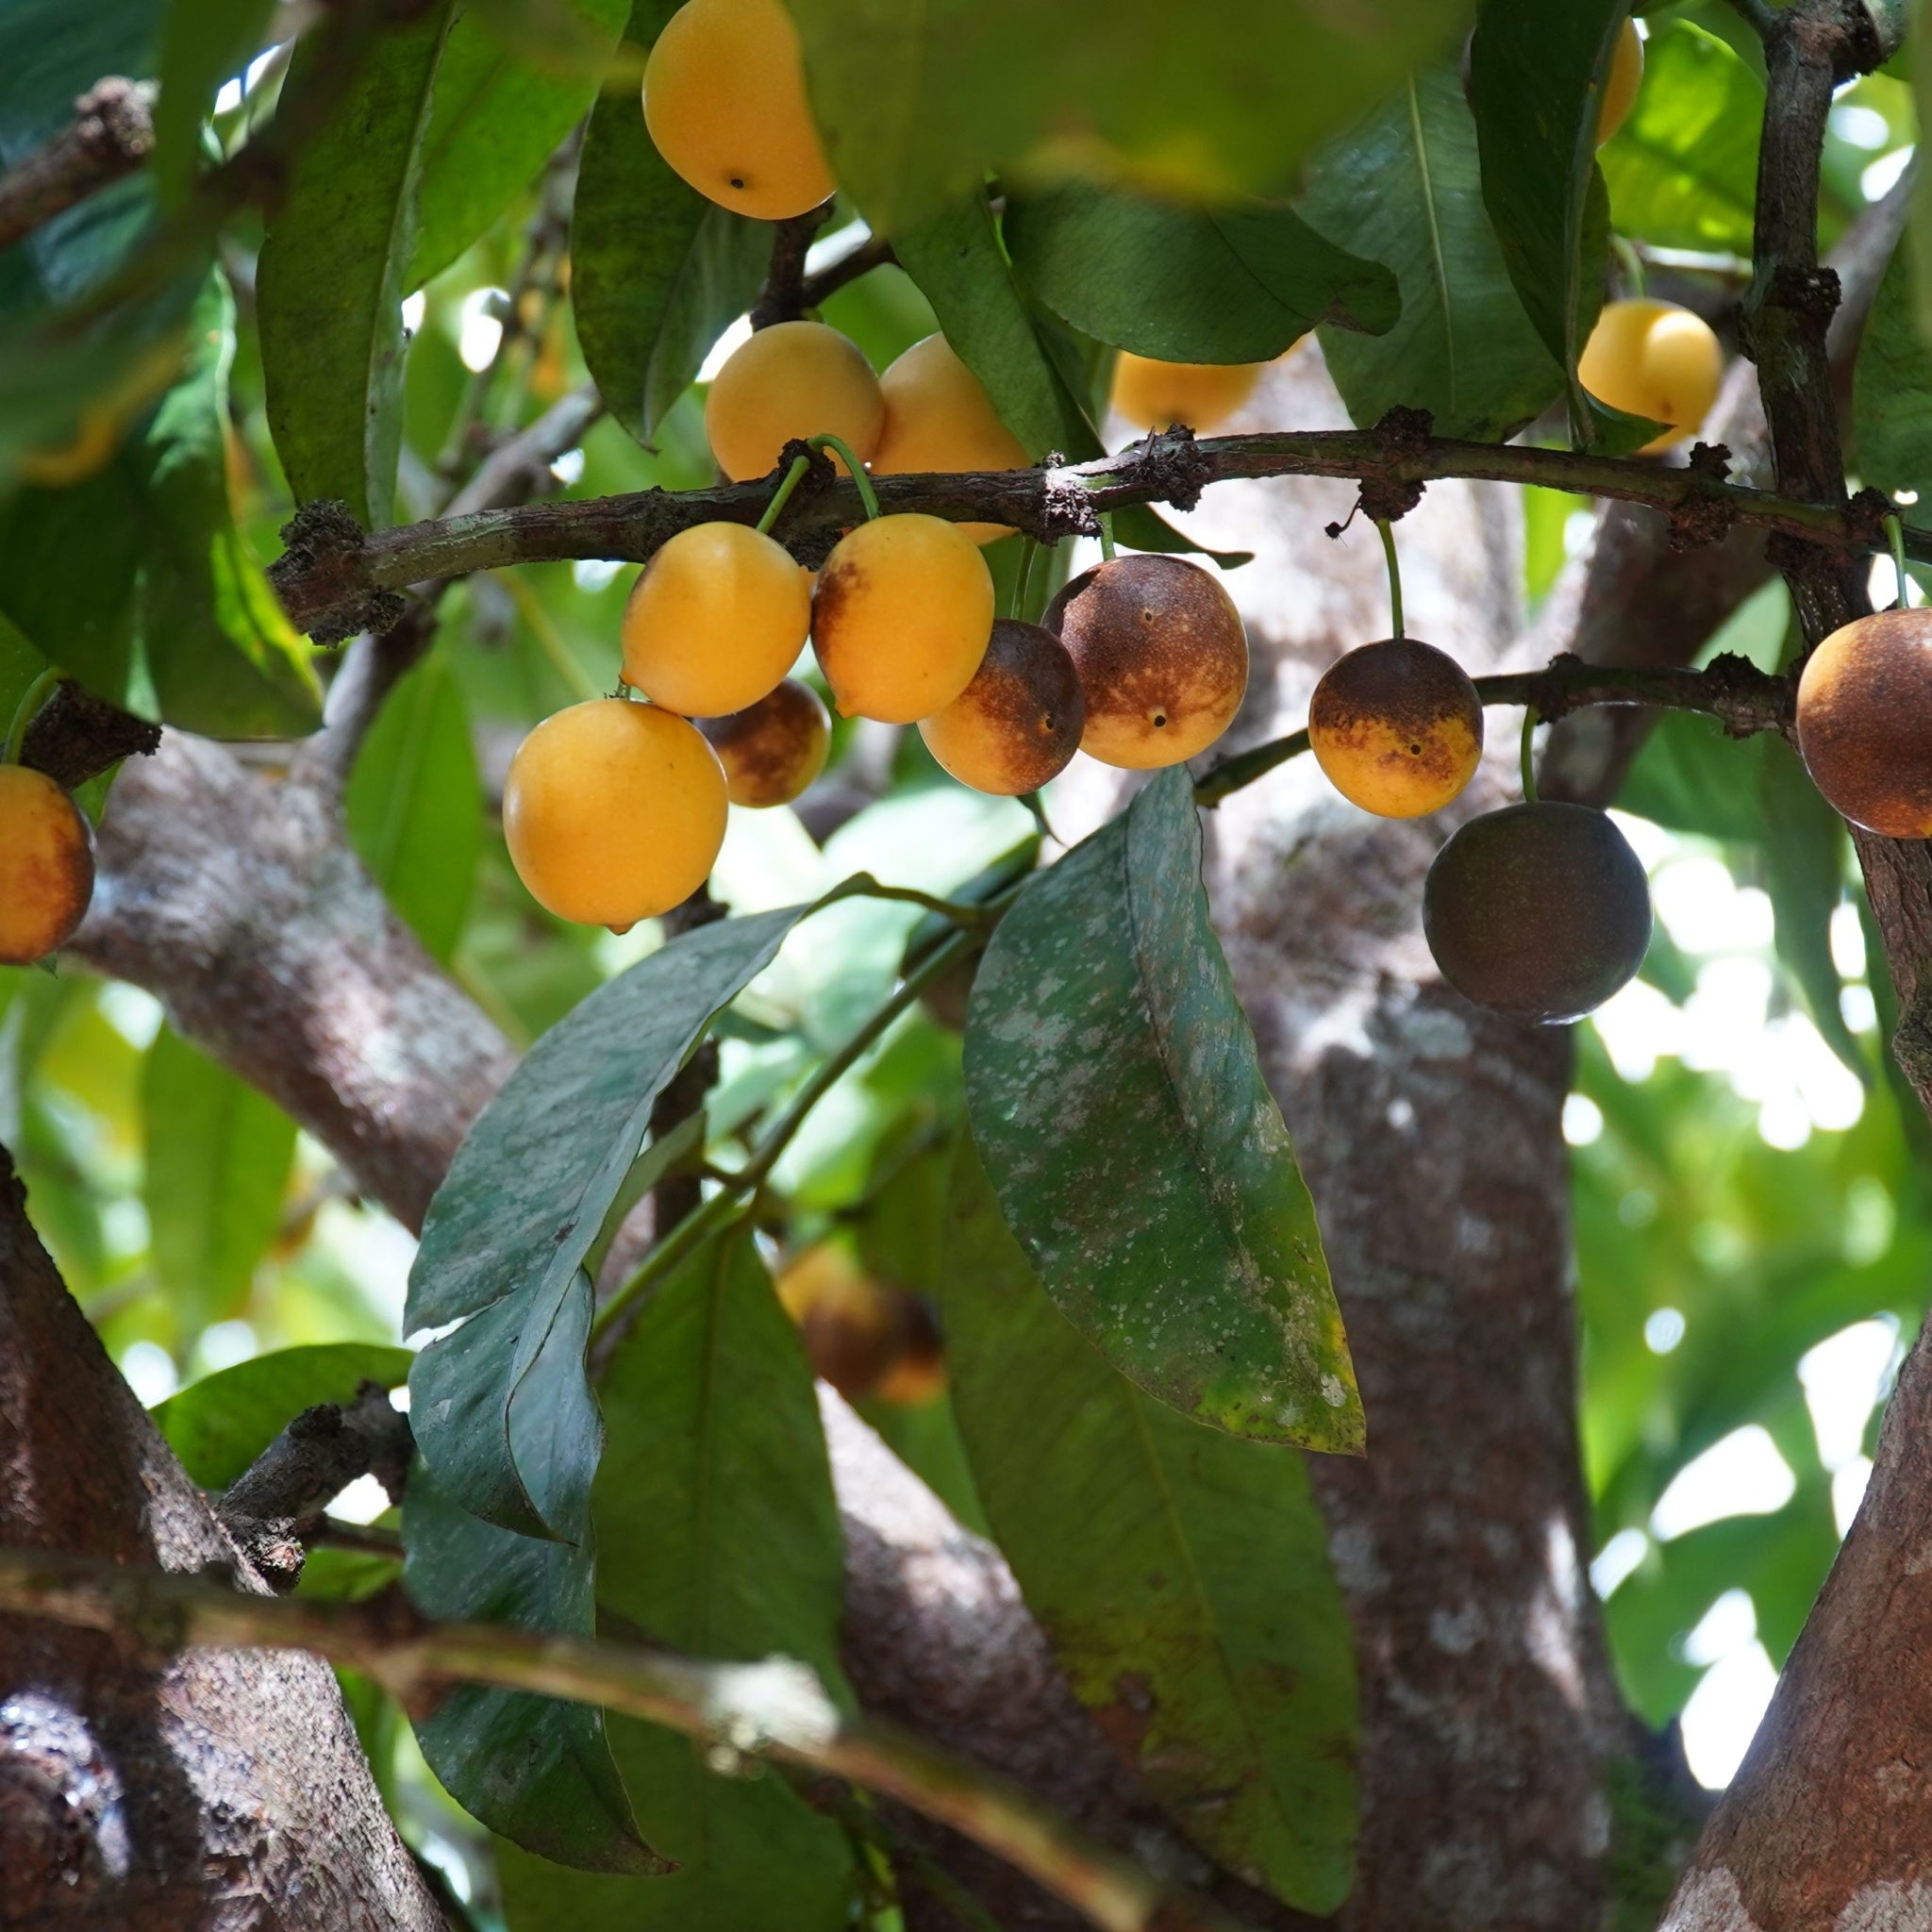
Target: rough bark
column 217, row 1791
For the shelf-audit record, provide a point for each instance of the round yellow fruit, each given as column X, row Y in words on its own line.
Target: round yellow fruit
column 46, row 866
column 1397, row 727
column 940, row 420
column 1018, row 722
column 1156, row 395
column 794, row 380
column 771, row 750
column 614, row 812
column 902, row 618
column 724, row 102
column 717, row 618
column 1652, row 358
column 1621, row 84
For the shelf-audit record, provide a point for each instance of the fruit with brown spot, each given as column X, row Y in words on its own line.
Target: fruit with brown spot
column 771, row 750
column 46, row 866
column 1161, row 655
column 1018, row 722
column 1655, row 359
column 1397, row 727
column 613, row 812
column 1156, row 395
column 789, row 381
column 940, row 420
column 1865, row 722
column 1538, row 911
column 901, row 618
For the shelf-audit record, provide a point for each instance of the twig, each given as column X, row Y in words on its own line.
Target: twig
column 776, row 1709
column 76, row 736
column 874, row 251
column 112, row 135
column 782, row 298
column 1758, row 16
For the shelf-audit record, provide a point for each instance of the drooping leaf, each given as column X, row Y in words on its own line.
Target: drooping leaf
column 206, row 42
column 1402, row 187
column 221, row 1423
column 218, row 1156
column 415, row 805
column 1187, row 285
column 719, row 1536
column 656, row 272
column 1891, row 385
column 915, row 101
column 1181, row 1576
column 334, row 269
column 494, row 121
column 1119, row 1108
column 137, row 581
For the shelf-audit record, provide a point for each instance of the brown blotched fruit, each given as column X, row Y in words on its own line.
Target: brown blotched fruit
column 1019, row 721
column 46, row 866
column 1397, row 727
column 771, row 750
column 1865, row 722
column 1538, row 911
column 1161, row 655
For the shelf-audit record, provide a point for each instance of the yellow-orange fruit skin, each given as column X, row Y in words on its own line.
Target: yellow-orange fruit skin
column 613, row 811
column 918, row 1375
column 46, row 866
column 901, row 618
column 772, row 750
column 724, row 102
column 718, row 616
column 1162, row 658
column 1156, row 395
column 794, row 380
column 863, row 1336
column 1018, row 724
column 1397, row 727
column 940, row 420
column 1865, row 722
column 1621, row 84
column 1655, row 359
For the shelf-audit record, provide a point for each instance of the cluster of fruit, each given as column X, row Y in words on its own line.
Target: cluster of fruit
column 46, row 866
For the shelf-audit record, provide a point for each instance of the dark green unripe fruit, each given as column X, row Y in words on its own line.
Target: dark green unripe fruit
column 1538, row 911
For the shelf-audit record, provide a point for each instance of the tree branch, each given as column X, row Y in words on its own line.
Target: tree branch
column 110, row 136
column 782, row 298
column 776, row 1709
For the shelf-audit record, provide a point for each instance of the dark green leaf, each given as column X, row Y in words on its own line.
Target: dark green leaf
column 1140, row 526
column 656, row 272
column 218, row 1160
column 415, row 805
column 1891, row 385
column 334, row 270
column 206, row 42
column 1181, row 1576
column 1188, row 284
column 1121, row 1109
column 1402, row 187
column 1692, row 778
column 221, row 1423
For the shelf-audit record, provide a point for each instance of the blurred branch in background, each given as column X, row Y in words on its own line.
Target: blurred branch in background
column 111, row 136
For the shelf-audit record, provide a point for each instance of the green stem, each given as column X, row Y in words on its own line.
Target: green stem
column 867, row 495
column 1630, row 261
column 1528, row 753
column 1388, row 534
column 956, row 911
column 1106, row 535
column 550, row 640
column 1895, row 529
column 782, row 495
column 1022, row 574
column 35, row 695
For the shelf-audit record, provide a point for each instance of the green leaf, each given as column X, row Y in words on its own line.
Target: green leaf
column 1892, row 384
column 218, row 1156
column 1692, row 778
column 656, row 272
column 1402, row 187
column 1181, row 1576
column 1535, row 77
column 138, row 582
column 494, row 121
column 1190, row 284
column 1119, row 1108
column 1200, row 105
column 509, row 1229
column 334, row 270
column 221, row 1423
column 206, row 42
column 415, row 805
column 721, row 1537
column 1682, row 172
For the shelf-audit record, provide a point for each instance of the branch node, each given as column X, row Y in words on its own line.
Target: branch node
column 1066, row 506
column 1865, row 519
column 322, row 564
column 1404, row 434
column 77, row 736
column 1171, row 467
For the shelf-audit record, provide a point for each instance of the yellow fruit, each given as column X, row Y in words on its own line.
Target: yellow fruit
column 1018, row 722
column 902, row 618
column 724, row 102
column 794, row 380
column 1864, row 711
column 772, row 750
column 613, row 811
column 1652, row 358
column 46, row 866
column 1621, row 84
column 1397, row 727
column 865, row 1337
column 718, row 617
column 940, row 420
column 1156, row 395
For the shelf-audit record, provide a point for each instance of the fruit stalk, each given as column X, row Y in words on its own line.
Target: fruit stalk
column 1386, row 530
